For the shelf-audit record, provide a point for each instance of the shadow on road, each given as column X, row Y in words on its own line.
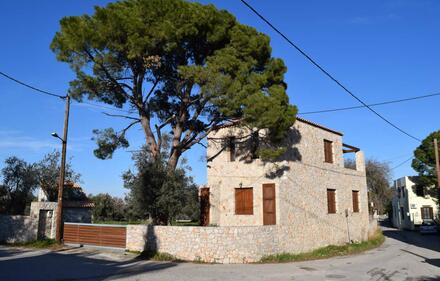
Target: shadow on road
column 431, row 242
column 71, row 266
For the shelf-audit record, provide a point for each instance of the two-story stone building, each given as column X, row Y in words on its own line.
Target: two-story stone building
column 308, row 188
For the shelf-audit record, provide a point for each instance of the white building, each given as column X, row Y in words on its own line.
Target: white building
column 410, row 207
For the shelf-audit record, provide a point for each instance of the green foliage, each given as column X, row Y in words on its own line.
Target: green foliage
column 48, row 172
column 107, row 208
column 180, row 66
column 19, row 181
column 424, row 164
column 328, row 251
column 156, row 191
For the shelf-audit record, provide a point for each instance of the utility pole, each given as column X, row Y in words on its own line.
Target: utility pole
column 59, row 222
column 437, row 167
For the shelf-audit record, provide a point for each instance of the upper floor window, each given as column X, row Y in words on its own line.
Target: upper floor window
column 328, row 151
column 255, row 143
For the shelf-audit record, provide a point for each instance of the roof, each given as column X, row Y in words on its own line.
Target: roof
column 318, row 126
column 235, row 123
column 78, row 204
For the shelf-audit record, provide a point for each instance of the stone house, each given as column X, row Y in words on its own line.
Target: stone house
column 308, row 188
column 411, row 205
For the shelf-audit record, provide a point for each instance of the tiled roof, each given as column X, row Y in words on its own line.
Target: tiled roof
column 318, row 126
column 78, row 204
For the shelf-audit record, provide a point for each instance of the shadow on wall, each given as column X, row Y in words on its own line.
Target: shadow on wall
column 150, row 246
column 247, row 148
column 70, row 265
column 17, row 229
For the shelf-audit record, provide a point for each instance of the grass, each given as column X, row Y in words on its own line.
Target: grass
column 329, row 251
column 186, row 223
column 37, row 244
column 158, row 256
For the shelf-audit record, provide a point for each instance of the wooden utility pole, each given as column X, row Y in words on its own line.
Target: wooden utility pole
column 437, row 167
column 59, row 222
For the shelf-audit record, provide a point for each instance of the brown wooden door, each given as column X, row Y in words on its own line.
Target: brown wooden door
column 204, row 206
column 269, row 210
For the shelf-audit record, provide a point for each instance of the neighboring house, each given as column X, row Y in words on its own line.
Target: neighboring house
column 411, row 206
column 76, row 209
column 308, row 188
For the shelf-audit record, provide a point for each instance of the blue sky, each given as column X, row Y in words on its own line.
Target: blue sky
column 381, row 50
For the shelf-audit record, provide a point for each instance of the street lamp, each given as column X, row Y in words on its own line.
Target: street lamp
column 55, row 135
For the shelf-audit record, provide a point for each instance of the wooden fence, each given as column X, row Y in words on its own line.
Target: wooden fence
column 95, row 234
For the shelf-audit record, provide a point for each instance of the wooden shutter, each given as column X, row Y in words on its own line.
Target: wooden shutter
column 244, row 201
column 355, row 195
column 328, row 151
column 331, row 201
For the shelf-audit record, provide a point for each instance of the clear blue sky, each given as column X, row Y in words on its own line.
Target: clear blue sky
column 380, row 49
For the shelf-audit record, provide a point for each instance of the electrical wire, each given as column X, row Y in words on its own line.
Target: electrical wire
column 373, row 104
column 310, row 59
column 31, row 87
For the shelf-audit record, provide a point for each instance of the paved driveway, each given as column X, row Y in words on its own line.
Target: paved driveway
column 404, row 256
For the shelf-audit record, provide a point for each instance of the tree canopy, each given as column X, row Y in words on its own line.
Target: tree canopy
column 178, row 67
column 424, row 163
column 48, row 173
column 19, row 180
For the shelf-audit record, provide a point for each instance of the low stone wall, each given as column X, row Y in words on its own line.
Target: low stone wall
column 17, row 229
column 224, row 244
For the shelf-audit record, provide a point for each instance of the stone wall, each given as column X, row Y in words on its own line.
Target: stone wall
column 17, row 229
column 227, row 244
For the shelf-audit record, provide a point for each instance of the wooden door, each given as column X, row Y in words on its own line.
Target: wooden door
column 269, row 210
column 204, row 206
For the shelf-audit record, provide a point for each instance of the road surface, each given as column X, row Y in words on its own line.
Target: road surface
column 404, row 256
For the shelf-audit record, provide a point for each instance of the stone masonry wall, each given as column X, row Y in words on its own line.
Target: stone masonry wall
column 17, row 229
column 223, row 244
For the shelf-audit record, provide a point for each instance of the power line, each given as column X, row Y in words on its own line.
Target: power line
column 310, row 59
column 31, row 87
column 402, row 163
column 46, row 92
column 373, row 104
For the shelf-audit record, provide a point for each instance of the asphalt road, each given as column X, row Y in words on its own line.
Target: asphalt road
column 404, row 256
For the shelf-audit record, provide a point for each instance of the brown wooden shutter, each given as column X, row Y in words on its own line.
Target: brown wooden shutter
column 244, row 201
column 331, row 201
column 328, row 151
column 355, row 195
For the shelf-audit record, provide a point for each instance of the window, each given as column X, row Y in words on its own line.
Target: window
column 402, row 213
column 403, row 191
column 355, row 196
column 331, row 201
column 427, row 213
column 244, row 201
column 328, row 151
column 231, row 145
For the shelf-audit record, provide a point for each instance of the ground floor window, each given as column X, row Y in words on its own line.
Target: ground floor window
column 427, row 213
column 355, row 197
column 331, row 201
column 244, row 201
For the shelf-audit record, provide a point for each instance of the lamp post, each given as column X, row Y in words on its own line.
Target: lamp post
column 59, row 221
